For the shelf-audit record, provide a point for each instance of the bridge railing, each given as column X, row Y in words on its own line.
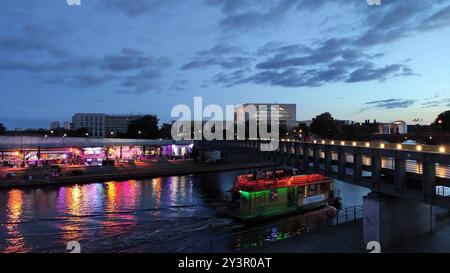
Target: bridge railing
column 284, row 229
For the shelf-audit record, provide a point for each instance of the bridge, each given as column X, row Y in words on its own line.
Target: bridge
column 407, row 181
column 33, row 142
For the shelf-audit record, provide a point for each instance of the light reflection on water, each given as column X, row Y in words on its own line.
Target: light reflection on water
column 153, row 215
column 15, row 241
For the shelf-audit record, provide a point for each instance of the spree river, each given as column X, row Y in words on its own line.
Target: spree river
column 168, row 214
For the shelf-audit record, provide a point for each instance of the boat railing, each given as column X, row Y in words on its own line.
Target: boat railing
column 248, row 239
column 267, row 184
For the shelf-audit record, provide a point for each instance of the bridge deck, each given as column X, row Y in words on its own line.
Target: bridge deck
column 421, row 174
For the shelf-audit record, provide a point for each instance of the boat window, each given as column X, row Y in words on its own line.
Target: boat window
column 323, row 188
column 258, row 199
column 301, row 191
column 312, row 189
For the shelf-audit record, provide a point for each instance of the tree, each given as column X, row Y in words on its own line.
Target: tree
column 301, row 131
column 2, row 129
column 145, row 127
column 443, row 121
column 324, row 126
column 166, row 131
column 81, row 132
column 359, row 131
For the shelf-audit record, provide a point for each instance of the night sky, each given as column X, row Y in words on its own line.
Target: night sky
column 356, row 61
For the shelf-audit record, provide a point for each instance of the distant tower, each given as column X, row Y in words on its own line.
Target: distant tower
column 54, row 125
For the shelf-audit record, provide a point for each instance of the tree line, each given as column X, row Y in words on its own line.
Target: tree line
column 145, row 127
column 325, row 126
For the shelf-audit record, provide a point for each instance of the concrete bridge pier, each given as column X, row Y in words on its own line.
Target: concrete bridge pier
column 296, row 155
column 392, row 221
column 305, row 157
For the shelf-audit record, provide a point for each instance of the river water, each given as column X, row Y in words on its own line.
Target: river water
column 168, row 214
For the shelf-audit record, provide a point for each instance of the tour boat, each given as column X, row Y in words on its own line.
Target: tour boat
column 268, row 194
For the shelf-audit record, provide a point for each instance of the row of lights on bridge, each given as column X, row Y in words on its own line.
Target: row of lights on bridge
column 382, row 145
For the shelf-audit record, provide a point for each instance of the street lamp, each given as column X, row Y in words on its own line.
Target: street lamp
column 440, row 121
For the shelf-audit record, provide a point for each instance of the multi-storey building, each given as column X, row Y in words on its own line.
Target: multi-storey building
column 286, row 115
column 102, row 125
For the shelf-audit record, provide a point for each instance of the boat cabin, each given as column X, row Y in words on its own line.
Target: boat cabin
column 278, row 192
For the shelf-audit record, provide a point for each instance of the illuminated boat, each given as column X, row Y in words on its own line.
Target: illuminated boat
column 263, row 195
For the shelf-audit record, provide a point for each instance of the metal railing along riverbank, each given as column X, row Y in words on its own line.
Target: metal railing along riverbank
column 275, row 231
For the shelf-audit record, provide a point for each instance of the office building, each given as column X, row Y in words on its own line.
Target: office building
column 286, row 116
column 54, row 125
column 102, row 125
column 396, row 127
column 67, row 125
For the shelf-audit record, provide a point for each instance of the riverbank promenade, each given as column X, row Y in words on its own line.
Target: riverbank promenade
column 121, row 171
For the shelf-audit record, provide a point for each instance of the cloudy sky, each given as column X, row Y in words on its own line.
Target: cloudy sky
column 144, row 56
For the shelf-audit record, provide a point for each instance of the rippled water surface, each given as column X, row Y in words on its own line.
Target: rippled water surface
column 169, row 214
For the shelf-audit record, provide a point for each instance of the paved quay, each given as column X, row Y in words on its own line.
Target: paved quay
column 348, row 238
column 345, row 238
column 124, row 171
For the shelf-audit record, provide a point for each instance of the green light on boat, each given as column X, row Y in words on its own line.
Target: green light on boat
column 245, row 194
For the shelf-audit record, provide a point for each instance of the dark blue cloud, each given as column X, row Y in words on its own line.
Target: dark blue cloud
column 339, row 58
column 258, row 17
column 135, row 8
column 81, row 81
column 391, row 103
column 436, row 103
column 439, row 19
column 298, row 65
column 35, row 38
column 246, row 15
column 391, row 21
column 130, row 59
column 369, row 73
column 113, row 69
column 220, row 49
column 230, row 6
column 222, row 55
column 395, row 20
